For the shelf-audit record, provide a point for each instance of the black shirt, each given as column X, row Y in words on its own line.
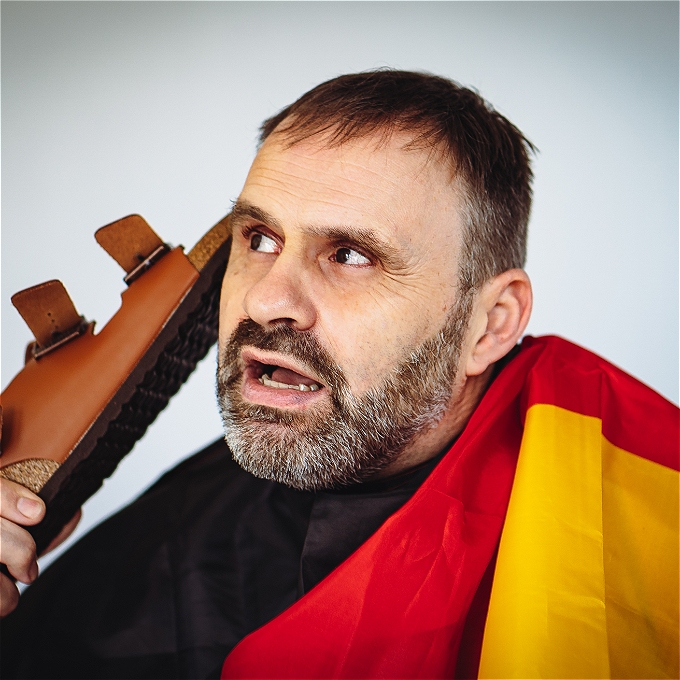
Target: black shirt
column 168, row 586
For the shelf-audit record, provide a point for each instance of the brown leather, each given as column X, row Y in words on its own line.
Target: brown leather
column 128, row 241
column 48, row 311
column 45, row 410
column 29, row 352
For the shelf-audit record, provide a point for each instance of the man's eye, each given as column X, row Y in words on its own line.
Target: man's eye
column 349, row 256
column 262, row 243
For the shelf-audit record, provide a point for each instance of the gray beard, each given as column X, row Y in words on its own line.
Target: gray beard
column 351, row 438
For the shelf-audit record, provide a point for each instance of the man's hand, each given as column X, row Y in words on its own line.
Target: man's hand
column 20, row 507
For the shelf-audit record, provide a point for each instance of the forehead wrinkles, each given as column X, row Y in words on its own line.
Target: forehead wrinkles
column 327, row 173
column 385, row 184
column 298, row 179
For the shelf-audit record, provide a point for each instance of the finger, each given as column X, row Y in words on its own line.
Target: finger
column 17, row 551
column 9, row 596
column 20, row 505
column 66, row 531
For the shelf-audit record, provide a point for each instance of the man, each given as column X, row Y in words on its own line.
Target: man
column 375, row 402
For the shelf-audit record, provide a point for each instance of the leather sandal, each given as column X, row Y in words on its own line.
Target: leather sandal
column 83, row 400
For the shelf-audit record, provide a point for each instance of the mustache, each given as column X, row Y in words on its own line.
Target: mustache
column 301, row 345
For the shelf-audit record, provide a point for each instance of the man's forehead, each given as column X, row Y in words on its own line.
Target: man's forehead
column 371, row 181
column 390, row 156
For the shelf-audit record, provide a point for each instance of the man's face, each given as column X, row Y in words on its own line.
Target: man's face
column 341, row 279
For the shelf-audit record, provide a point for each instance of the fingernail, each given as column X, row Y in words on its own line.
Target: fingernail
column 29, row 508
column 33, row 572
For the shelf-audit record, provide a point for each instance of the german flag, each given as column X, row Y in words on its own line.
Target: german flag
column 567, row 471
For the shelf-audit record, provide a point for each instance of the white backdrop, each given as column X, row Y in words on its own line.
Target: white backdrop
column 114, row 108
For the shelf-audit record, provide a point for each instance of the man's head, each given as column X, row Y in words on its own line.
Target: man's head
column 375, row 267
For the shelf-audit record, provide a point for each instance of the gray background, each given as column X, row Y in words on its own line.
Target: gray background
column 114, row 108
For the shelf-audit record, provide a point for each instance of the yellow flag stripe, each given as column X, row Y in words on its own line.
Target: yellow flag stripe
column 640, row 520
column 571, row 584
column 547, row 604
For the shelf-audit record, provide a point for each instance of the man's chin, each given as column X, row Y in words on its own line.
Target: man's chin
column 309, row 450
column 286, row 461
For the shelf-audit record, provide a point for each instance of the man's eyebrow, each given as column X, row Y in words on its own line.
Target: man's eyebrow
column 243, row 209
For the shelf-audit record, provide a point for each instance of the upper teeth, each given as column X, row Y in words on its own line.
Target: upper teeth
column 266, row 380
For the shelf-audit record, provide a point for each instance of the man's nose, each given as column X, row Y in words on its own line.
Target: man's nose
column 282, row 296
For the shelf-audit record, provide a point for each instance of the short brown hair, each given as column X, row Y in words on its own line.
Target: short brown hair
column 489, row 156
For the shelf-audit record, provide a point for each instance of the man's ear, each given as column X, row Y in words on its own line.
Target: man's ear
column 500, row 315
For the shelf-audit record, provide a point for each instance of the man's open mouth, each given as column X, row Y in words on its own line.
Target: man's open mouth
column 285, row 379
column 277, row 375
